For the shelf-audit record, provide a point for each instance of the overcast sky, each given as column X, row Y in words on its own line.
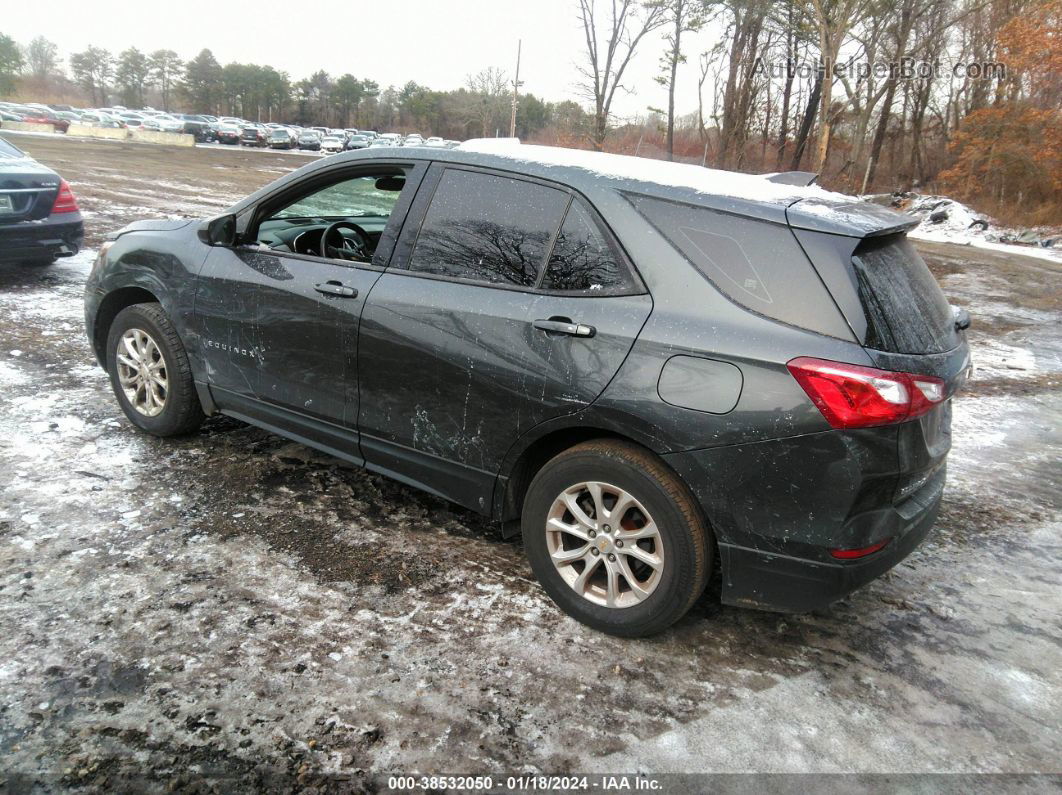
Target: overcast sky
column 437, row 43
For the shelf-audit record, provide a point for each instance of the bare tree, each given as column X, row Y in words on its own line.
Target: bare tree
column 42, row 58
column 744, row 62
column 489, row 89
column 834, row 19
column 682, row 16
column 610, row 45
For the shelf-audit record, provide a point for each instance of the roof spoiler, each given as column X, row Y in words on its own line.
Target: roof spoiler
column 799, row 178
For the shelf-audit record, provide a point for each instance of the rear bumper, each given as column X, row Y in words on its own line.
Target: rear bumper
column 56, row 236
column 762, row 580
column 778, row 507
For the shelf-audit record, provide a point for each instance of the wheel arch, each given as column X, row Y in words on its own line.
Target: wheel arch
column 528, row 453
column 113, row 303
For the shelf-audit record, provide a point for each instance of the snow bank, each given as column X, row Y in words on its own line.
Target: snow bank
column 961, row 227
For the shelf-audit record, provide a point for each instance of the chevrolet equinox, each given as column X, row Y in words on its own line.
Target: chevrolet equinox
column 653, row 371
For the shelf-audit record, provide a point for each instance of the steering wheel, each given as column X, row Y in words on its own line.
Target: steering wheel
column 338, row 246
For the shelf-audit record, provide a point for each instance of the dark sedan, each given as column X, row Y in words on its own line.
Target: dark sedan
column 228, row 133
column 39, row 216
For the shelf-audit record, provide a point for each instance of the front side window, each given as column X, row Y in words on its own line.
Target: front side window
column 488, row 228
column 582, row 259
column 343, row 220
column 351, row 198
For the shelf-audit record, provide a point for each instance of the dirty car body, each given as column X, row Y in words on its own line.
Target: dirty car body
column 786, row 359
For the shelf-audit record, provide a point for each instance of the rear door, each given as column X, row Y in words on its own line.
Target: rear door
column 507, row 304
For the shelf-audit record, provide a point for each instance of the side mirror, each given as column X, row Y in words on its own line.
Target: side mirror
column 220, row 231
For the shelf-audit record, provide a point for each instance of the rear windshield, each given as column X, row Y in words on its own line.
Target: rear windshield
column 905, row 309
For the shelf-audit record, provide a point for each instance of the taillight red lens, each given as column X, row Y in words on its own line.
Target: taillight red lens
column 853, row 396
column 65, row 201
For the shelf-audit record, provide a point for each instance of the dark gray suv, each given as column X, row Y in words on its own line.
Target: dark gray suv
column 653, row 371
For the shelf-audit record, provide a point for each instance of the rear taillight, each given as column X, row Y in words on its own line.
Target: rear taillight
column 852, row 396
column 65, row 201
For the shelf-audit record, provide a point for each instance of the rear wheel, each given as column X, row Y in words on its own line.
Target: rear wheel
column 150, row 372
column 615, row 538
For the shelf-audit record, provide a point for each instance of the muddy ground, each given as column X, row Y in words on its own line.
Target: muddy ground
column 237, row 609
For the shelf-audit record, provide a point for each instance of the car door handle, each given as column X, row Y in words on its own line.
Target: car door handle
column 558, row 326
column 336, row 288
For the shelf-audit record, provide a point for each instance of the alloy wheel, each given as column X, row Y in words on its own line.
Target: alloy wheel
column 604, row 544
column 142, row 372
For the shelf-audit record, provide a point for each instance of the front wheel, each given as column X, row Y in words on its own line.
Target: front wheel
column 150, row 372
column 615, row 538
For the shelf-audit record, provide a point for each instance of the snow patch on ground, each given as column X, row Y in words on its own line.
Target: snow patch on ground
column 956, row 228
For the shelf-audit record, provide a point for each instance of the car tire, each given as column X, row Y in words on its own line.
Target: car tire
column 180, row 411
column 682, row 543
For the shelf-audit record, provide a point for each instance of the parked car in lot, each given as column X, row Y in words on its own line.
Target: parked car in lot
column 283, row 138
column 332, row 143
column 199, row 126
column 379, row 143
column 228, row 133
column 42, row 115
column 310, row 139
column 357, row 142
column 650, row 366
column 254, row 135
column 159, row 122
column 133, row 120
column 96, row 118
column 39, row 216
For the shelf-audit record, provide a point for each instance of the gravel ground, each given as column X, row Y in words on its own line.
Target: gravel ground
column 239, row 611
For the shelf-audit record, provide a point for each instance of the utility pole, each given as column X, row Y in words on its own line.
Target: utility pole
column 516, row 90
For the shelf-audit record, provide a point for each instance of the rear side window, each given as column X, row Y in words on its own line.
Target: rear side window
column 488, row 228
column 905, row 308
column 757, row 264
column 582, row 259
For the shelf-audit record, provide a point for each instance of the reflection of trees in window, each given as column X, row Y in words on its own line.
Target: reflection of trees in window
column 581, row 259
column 483, row 250
column 488, row 228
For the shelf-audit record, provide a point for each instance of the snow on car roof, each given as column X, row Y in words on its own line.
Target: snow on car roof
column 709, row 181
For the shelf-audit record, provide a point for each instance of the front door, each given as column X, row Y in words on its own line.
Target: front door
column 512, row 307
column 279, row 316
